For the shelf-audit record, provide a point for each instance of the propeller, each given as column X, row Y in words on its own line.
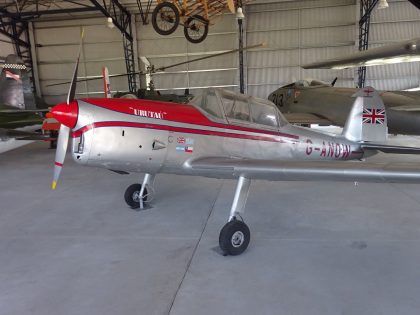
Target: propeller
column 61, row 110
column 334, row 81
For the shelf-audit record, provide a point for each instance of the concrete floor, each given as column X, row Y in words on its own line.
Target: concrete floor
column 316, row 248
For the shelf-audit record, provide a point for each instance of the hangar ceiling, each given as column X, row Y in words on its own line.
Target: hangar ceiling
column 296, row 32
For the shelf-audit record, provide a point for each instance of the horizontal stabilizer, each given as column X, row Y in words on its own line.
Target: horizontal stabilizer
column 406, row 108
column 306, row 118
column 390, row 148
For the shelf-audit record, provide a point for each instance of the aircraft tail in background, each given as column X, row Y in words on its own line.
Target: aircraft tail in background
column 107, row 85
column 15, row 87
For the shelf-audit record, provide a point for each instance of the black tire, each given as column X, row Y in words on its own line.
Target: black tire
column 165, row 18
column 131, row 196
column 234, row 238
column 196, row 29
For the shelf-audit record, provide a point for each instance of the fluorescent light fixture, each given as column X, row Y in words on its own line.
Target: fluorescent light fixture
column 239, row 14
column 383, row 4
column 109, row 22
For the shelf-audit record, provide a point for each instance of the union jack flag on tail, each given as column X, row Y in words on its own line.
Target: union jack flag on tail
column 373, row 116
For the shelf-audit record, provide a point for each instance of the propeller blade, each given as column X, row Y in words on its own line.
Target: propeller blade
column 63, row 136
column 60, row 153
column 72, row 90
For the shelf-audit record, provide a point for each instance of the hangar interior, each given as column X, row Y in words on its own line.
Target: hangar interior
column 295, row 33
column 324, row 248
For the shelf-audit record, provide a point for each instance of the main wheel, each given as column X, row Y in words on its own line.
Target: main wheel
column 234, row 238
column 165, row 18
column 196, row 29
column 132, row 195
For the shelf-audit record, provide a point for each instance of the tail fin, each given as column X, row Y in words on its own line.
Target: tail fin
column 107, row 86
column 367, row 120
column 15, row 87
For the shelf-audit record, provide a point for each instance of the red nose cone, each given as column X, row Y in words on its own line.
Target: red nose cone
column 66, row 113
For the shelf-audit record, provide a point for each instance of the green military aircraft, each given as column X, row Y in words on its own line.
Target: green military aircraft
column 18, row 105
column 316, row 102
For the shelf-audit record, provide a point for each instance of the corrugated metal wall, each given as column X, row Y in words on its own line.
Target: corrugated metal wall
column 6, row 47
column 296, row 32
column 167, row 50
column 56, row 51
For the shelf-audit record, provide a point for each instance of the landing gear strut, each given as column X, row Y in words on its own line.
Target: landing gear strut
column 235, row 235
column 133, row 193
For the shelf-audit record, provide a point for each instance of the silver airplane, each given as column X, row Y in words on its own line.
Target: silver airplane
column 316, row 102
column 222, row 134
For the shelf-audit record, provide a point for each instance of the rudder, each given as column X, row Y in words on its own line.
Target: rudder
column 367, row 119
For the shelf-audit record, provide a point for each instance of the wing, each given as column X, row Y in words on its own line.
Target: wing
column 20, row 111
column 274, row 170
column 307, row 118
column 23, row 135
column 396, row 53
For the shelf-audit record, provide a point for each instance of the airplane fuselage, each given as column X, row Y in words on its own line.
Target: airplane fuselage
column 152, row 137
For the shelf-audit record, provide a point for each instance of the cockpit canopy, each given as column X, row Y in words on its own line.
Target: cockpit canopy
column 235, row 108
column 307, row 83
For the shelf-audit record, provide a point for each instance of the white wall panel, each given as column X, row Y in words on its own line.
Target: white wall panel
column 327, row 16
column 276, row 20
column 310, row 30
column 6, row 47
column 58, row 44
column 167, row 50
column 282, row 39
column 327, row 36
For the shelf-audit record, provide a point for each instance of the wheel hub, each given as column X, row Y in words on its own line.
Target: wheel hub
column 136, row 196
column 237, row 239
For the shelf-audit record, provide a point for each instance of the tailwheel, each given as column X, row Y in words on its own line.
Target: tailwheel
column 165, row 18
column 234, row 237
column 196, row 29
column 132, row 195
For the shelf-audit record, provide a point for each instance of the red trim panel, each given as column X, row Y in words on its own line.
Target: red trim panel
column 170, row 111
column 58, row 164
column 86, row 128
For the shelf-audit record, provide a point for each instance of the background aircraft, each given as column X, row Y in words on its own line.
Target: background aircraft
column 316, row 102
column 222, row 135
column 18, row 105
column 407, row 51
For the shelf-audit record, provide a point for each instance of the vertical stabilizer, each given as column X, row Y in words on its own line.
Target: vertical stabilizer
column 15, row 87
column 367, row 119
column 107, row 85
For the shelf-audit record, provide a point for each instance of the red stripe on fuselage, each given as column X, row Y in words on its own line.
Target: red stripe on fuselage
column 58, row 164
column 172, row 112
column 262, row 137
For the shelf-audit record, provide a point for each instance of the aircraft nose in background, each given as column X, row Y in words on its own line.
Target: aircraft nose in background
column 66, row 113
